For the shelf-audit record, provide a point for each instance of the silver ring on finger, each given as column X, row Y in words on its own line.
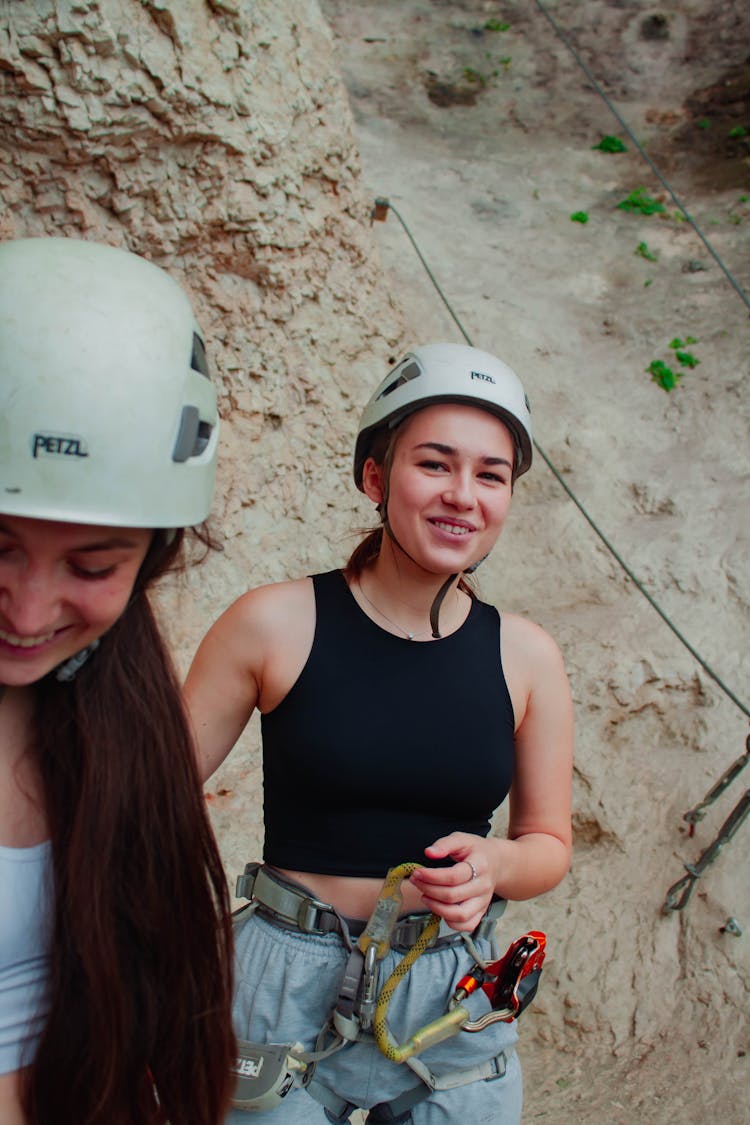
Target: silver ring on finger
column 473, row 869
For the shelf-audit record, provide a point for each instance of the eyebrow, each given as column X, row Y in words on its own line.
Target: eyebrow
column 116, row 542
column 106, row 545
column 449, row 451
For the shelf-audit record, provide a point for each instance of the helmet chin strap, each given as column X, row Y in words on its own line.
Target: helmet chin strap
column 440, row 596
column 438, row 601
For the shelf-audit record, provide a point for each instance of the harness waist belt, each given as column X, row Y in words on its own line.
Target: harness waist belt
column 291, row 906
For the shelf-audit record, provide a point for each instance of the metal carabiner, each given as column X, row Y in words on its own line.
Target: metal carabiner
column 370, row 974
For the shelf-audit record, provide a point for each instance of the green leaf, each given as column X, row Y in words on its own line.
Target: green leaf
column 611, row 144
column 579, row 217
column 687, row 359
column 738, row 131
column 643, row 251
column 639, row 202
column 704, row 123
column 678, row 343
column 663, row 375
column 472, row 75
column 496, row 25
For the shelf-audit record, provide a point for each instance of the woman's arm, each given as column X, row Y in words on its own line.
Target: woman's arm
column 249, row 658
column 11, row 1112
column 536, row 853
column 223, row 684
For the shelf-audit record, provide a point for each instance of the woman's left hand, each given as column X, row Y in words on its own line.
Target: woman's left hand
column 462, row 892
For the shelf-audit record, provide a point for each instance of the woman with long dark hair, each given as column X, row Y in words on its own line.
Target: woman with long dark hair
column 398, row 711
column 115, row 938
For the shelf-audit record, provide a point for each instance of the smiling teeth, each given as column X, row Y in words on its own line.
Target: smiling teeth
column 453, row 528
column 24, row 642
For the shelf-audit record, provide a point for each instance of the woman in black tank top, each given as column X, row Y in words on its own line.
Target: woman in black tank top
column 397, row 713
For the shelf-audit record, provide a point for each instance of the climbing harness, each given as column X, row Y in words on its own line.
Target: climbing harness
column 266, row 1073
column 679, row 893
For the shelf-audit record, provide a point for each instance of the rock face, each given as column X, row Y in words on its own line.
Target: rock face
column 215, row 139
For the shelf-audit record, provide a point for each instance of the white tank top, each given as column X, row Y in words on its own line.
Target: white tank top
column 25, row 918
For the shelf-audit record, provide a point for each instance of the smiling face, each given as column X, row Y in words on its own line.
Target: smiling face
column 62, row 585
column 449, row 486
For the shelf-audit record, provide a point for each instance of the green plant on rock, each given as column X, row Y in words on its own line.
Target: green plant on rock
column 611, row 144
column 643, row 251
column 664, row 376
column 475, row 76
column 679, row 343
column 638, row 202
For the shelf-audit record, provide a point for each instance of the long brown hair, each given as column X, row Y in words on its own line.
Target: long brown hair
column 139, row 1027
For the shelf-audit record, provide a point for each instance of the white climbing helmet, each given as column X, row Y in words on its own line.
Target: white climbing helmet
column 107, row 412
column 438, row 373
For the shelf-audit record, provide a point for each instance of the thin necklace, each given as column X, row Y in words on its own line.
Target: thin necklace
column 409, row 636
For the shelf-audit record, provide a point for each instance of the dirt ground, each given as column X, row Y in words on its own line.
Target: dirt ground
column 478, row 124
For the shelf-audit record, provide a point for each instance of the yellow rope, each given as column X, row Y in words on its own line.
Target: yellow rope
column 390, row 895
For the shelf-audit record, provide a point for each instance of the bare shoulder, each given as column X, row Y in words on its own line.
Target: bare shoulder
column 251, row 654
column 533, row 667
column 525, row 641
column 266, row 609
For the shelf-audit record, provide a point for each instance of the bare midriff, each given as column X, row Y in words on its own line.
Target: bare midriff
column 352, row 896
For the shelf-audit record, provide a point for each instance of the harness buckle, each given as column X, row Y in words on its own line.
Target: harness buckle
column 308, row 914
column 246, row 881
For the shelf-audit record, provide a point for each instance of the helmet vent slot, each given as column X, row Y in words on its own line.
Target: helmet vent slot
column 199, row 360
column 404, row 373
column 204, row 436
column 193, row 436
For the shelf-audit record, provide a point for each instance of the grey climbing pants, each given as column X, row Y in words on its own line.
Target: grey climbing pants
column 286, row 986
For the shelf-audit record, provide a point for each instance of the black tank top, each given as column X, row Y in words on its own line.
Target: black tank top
column 384, row 744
